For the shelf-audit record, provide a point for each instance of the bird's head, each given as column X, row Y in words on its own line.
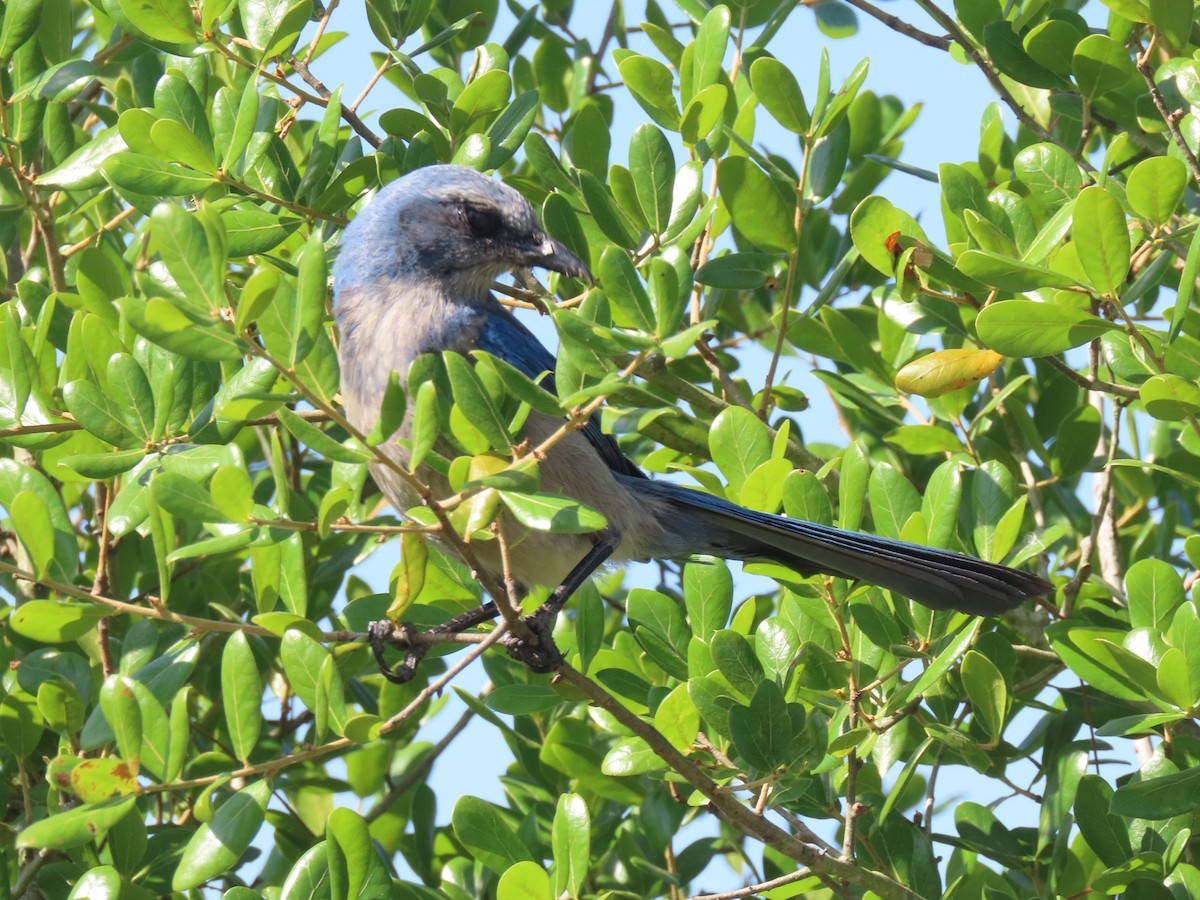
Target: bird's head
column 451, row 224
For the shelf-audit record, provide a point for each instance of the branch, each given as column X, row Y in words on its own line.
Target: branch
column 1172, row 118
column 204, row 626
column 899, row 25
column 998, row 86
column 351, row 117
column 1089, row 383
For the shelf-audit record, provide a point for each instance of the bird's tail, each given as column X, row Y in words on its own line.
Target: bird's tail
column 939, row 579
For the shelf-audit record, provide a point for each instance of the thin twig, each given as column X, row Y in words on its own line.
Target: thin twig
column 422, row 769
column 1092, row 384
column 899, row 25
column 798, row 875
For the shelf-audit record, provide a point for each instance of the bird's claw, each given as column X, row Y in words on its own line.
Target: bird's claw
column 537, row 650
column 384, row 632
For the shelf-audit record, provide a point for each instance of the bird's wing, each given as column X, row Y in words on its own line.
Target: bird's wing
column 505, row 338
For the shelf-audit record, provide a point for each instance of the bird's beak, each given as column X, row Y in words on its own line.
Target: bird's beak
column 548, row 253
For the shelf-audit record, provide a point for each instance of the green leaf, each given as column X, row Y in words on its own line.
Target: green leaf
column 184, row 498
column 351, row 856
column 274, row 25
column 1008, row 55
column 242, row 692
column 144, row 175
column 653, row 166
column 738, row 271
column 739, row 443
column 708, row 50
column 164, row 20
column 1101, row 238
column 317, row 439
column 570, row 837
column 952, row 649
column 31, row 521
column 217, row 846
column 625, row 290
column 1088, row 653
column 160, row 322
column 509, row 129
column 487, row 836
column 20, row 723
column 609, row 218
column 124, row 716
column 651, row 84
column 779, row 91
column 293, row 580
column 1105, row 833
column 1155, row 188
column 893, row 499
column 762, row 732
column 1051, row 43
column 524, row 699
column 702, row 113
column 481, row 96
column 1154, row 591
column 1162, row 797
column 1101, row 66
column 707, row 595
column 735, row 659
column 677, row 719
column 1010, row 274
column 77, row 826
column 987, row 692
column 476, row 403
column 232, row 493
column 61, row 705
column 1027, row 328
column 308, row 311
column 21, row 18
column 99, row 414
column 176, row 142
column 130, row 391
column 757, row 206
column 302, row 658
column 523, row 881
column 659, row 626
column 1170, row 398
column 1050, row 174
column 54, row 622
column 194, row 253
column 246, row 393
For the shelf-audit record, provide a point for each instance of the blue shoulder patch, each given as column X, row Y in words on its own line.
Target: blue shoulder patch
column 505, row 338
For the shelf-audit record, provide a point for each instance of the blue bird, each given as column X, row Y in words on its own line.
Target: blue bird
column 414, row 276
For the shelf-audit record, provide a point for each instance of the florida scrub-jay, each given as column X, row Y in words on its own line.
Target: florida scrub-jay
column 413, row 276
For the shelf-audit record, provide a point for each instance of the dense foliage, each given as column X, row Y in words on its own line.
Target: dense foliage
column 189, row 702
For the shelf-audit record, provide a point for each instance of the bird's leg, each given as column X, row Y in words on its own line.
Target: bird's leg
column 380, row 633
column 540, row 654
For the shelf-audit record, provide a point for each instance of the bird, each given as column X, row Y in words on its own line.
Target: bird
column 414, row 274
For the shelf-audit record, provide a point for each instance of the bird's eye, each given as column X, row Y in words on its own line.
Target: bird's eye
column 483, row 222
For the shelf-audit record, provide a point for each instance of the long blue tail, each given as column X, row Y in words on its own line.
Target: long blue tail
column 938, row 579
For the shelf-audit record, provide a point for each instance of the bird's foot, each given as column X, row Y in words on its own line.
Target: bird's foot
column 537, row 650
column 385, row 632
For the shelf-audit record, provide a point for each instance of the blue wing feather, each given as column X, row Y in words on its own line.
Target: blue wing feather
column 504, row 337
